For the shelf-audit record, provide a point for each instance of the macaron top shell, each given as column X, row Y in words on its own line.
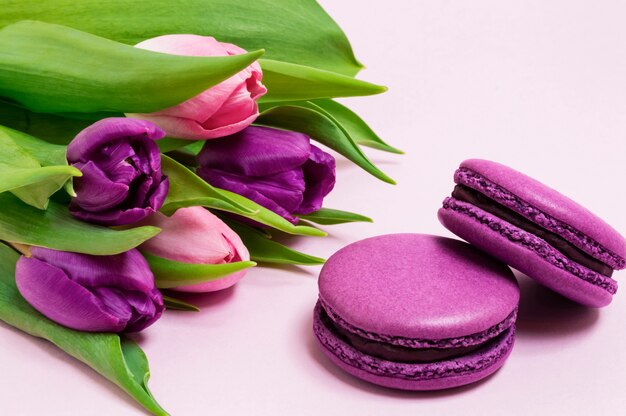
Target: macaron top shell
column 611, row 246
column 418, row 286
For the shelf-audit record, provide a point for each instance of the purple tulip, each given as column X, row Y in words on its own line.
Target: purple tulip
column 90, row 293
column 122, row 180
column 280, row 170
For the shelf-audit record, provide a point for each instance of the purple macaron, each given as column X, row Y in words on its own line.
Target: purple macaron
column 536, row 230
column 416, row 312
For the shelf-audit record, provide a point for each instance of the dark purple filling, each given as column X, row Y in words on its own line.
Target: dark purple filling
column 397, row 353
column 471, row 196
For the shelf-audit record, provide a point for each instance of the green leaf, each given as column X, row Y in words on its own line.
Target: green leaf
column 55, row 228
column 179, row 305
column 57, row 69
column 296, row 31
column 358, row 129
column 264, row 250
column 328, row 216
column 49, row 127
column 286, row 81
column 169, row 274
column 306, row 118
column 30, row 168
column 187, row 189
column 168, row 144
column 118, row 359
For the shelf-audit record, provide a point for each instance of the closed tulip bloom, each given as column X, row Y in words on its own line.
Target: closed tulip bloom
column 280, row 170
column 221, row 110
column 194, row 235
column 122, row 180
column 90, row 293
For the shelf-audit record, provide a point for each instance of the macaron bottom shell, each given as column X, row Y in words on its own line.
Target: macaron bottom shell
column 487, row 233
column 438, row 375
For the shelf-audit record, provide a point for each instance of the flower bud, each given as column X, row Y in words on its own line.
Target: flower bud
column 280, row 170
column 122, row 180
column 90, row 293
column 221, row 110
column 194, row 235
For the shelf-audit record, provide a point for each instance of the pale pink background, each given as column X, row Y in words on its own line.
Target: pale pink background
column 537, row 85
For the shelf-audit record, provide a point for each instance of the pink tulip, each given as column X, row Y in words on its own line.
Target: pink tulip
column 219, row 111
column 194, row 235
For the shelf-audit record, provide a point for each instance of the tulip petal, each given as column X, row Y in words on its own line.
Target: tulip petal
column 205, row 104
column 115, row 303
column 149, row 154
column 139, row 190
column 234, row 184
column 185, row 44
column 187, row 129
column 148, row 308
column 255, row 87
column 159, row 193
column 213, row 285
column 194, row 235
column 238, row 251
column 219, row 111
column 237, row 107
column 285, row 188
column 113, row 217
column 235, row 242
column 198, row 108
column 319, row 175
column 256, row 151
column 252, row 74
column 49, row 290
column 191, row 235
column 89, row 141
column 95, row 192
column 122, row 180
column 128, row 271
column 114, row 161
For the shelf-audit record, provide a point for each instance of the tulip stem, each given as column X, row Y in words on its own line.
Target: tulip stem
column 22, row 248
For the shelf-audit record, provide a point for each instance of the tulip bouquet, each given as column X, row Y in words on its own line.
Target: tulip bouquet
column 144, row 153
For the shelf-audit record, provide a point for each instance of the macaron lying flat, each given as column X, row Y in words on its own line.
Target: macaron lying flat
column 416, row 312
column 536, row 230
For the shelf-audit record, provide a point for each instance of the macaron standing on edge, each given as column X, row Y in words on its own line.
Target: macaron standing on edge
column 536, row 230
column 416, row 312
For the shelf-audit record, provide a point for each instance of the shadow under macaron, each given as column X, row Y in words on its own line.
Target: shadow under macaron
column 545, row 314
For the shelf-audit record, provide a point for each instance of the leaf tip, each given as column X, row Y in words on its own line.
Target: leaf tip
column 257, row 54
column 317, row 260
column 383, row 177
column 313, row 232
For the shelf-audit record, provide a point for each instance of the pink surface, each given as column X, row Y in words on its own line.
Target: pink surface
column 417, row 286
column 536, row 85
